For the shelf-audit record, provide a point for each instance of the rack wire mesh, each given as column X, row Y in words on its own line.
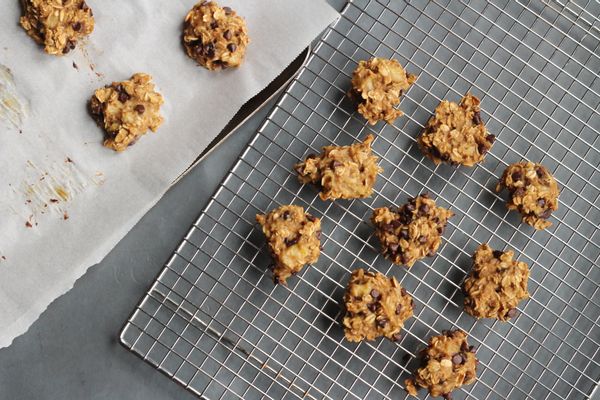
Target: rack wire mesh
column 213, row 320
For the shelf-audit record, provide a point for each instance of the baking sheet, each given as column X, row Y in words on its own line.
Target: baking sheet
column 65, row 200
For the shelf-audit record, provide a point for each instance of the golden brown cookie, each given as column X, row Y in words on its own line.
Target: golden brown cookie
column 375, row 306
column 412, row 232
column 342, row 172
column 378, row 84
column 294, row 239
column 446, row 364
column 496, row 284
column 533, row 192
column 456, row 134
column 57, row 24
column 216, row 37
column 126, row 110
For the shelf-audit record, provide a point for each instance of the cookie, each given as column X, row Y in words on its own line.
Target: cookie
column 126, row 110
column 447, row 363
column 294, row 239
column 375, row 306
column 342, row 172
column 533, row 192
column 377, row 85
column 216, row 37
column 56, row 24
column 456, row 134
column 495, row 285
column 412, row 232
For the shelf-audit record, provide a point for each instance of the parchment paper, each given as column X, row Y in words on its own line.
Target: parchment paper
column 65, row 200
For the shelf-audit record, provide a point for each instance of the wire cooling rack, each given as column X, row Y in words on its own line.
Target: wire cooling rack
column 213, row 320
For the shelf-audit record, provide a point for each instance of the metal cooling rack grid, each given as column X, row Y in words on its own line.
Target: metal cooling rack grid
column 215, row 323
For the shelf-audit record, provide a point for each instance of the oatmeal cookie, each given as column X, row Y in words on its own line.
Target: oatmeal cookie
column 216, row 37
column 126, row 110
column 342, row 172
column 533, row 192
column 456, row 134
column 294, row 239
column 412, row 232
column 57, row 24
column 446, row 364
column 375, row 306
column 378, row 84
column 495, row 285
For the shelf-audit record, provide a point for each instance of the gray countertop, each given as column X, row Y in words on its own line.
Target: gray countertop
column 72, row 351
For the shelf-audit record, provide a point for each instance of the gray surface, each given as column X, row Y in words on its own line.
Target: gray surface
column 72, row 351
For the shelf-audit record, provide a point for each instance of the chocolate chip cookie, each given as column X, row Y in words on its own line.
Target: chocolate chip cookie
column 293, row 237
column 495, row 285
column 446, row 364
column 375, row 306
column 126, row 110
column 216, row 37
column 377, row 85
column 57, row 24
column 342, row 172
column 412, row 232
column 456, row 133
column 533, row 192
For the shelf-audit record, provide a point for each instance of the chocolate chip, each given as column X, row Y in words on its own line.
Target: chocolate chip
column 123, row 96
column 382, row 322
column 498, row 253
column 472, row 349
column 405, row 259
column 140, row 108
column 396, row 224
column 214, row 25
column 540, row 172
column 276, row 279
column 227, row 34
column 519, row 192
column 84, row 6
column 440, row 229
column 291, row 242
column 231, row 47
column 457, row 359
column 286, row 215
column 398, row 309
column 299, row 169
column 318, row 235
column 209, row 50
column 424, row 195
column 393, row 247
column 410, row 207
column 388, row 228
column 482, row 149
column 477, row 118
column 423, row 209
column 422, row 239
column 375, row 294
column 403, row 292
column 404, row 234
column 490, row 138
column 335, row 164
column 431, row 253
column 76, row 26
column 310, row 218
column 546, row 214
column 227, row 10
column 447, row 396
column 516, row 176
column 372, row 307
column 511, row 313
column 396, row 337
column 95, row 106
column 541, row 202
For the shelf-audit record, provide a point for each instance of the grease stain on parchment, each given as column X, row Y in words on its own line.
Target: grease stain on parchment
column 49, row 190
column 13, row 107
